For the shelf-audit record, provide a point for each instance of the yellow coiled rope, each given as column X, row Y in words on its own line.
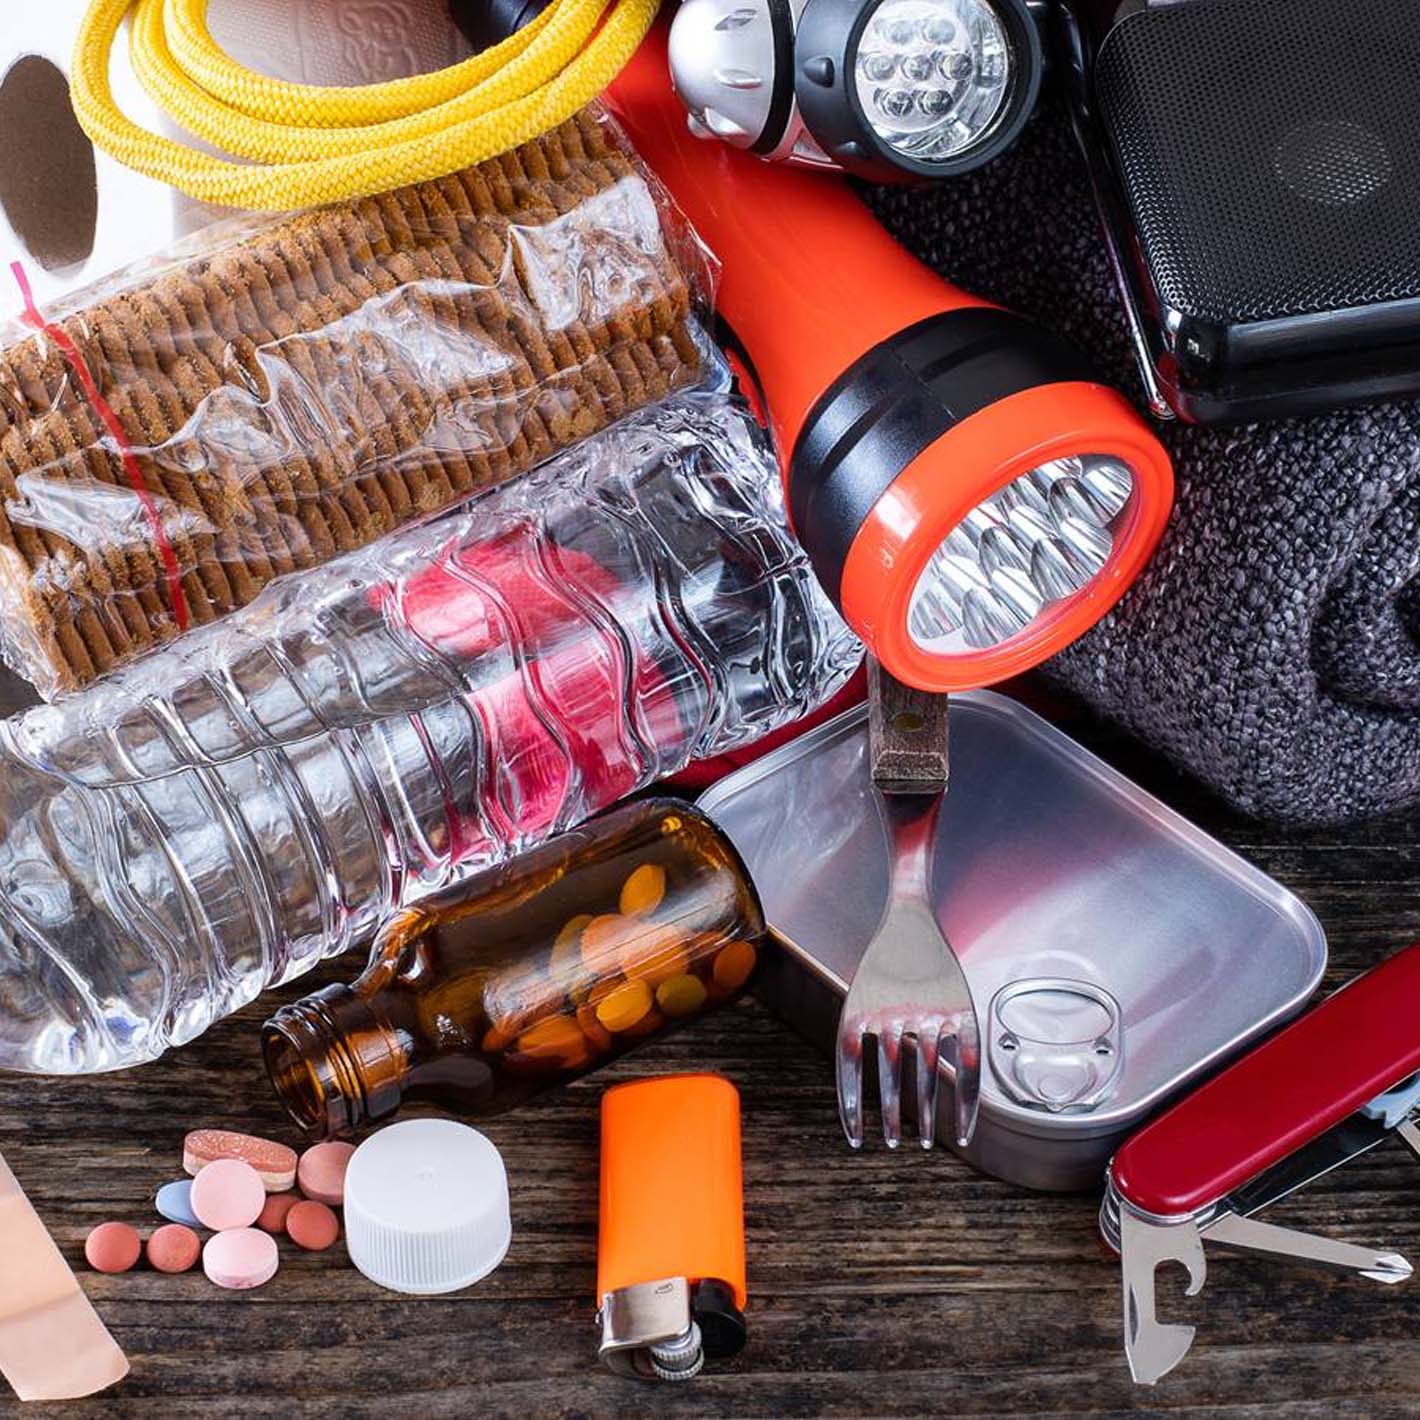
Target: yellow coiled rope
column 306, row 145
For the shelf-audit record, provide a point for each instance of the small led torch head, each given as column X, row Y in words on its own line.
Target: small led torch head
column 892, row 90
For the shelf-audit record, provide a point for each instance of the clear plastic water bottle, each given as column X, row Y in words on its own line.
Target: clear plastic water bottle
column 222, row 815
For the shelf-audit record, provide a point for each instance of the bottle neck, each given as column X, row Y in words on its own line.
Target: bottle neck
column 335, row 1064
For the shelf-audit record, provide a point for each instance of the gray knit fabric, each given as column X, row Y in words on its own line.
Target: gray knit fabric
column 1273, row 646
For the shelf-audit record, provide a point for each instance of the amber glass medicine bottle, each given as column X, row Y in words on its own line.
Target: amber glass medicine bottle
column 529, row 974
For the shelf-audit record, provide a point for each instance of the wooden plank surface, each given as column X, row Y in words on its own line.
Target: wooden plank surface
column 890, row 1285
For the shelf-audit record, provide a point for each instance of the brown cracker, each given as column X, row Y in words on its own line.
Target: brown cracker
column 264, row 334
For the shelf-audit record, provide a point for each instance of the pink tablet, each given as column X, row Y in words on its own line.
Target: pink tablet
column 228, row 1194
column 240, row 1258
column 321, row 1172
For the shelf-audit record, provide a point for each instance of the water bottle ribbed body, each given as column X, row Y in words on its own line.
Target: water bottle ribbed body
column 219, row 817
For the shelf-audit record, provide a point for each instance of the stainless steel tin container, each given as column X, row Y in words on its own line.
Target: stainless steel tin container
column 1049, row 865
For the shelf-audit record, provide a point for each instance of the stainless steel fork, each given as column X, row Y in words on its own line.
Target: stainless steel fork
column 909, row 987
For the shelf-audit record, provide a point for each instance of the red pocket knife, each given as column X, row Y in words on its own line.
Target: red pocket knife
column 1331, row 1086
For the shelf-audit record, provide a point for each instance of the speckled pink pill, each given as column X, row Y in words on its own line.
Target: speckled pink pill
column 321, row 1172
column 228, row 1194
column 240, row 1258
column 276, row 1163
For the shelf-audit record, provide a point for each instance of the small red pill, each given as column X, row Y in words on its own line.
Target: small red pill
column 112, row 1247
column 274, row 1211
column 173, row 1248
column 312, row 1226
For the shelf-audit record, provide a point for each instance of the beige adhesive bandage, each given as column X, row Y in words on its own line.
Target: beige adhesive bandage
column 52, row 1344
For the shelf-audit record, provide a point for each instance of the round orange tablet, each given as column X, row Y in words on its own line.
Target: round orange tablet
column 602, row 938
column 571, row 929
column 649, row 1024
column 495, row 1040
column 602, row 989
column 681, row 995
column 642, row 892
column 654, row 954
column 623, row 1007
column 567, row 945
column 557, row 1038
column 592, row 1028
column 733, row 965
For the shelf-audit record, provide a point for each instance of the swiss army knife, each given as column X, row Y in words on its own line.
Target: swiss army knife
column 1202, row 1170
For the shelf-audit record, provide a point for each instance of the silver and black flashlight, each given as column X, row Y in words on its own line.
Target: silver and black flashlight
column 890, row 90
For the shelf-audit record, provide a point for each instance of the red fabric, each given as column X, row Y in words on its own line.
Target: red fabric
column 566, row 715
column 479, row 598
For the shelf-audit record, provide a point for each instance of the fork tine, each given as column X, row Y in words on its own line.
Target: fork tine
column 890, row 1083
column 966, row 1061
column 926, row 1088
column 850, row 1083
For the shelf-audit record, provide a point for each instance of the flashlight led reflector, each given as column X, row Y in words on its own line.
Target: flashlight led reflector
column 931, row 75
column 1036, row 542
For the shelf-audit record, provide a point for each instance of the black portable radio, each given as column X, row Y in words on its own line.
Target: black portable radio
column 1258, row 170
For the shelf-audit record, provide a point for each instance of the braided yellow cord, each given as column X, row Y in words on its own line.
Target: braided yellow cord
column 305, row 145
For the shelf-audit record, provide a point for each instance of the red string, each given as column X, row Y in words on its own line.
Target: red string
column 171, row 571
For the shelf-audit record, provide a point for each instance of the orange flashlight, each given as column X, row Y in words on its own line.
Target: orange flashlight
column 671, row 1241
column 970, row 495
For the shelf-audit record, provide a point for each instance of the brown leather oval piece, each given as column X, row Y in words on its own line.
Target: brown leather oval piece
column 48, row 187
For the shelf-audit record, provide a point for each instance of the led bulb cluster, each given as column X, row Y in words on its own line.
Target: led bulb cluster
column 1037, row 541
column 931, row 75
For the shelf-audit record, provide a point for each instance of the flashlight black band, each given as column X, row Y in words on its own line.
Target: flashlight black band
column 781, row 95
column 897, row 399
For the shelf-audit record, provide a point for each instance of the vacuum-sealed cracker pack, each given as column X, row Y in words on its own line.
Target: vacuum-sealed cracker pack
column 287, row 390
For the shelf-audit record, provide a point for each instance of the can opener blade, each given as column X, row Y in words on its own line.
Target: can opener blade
column 1154, row 1347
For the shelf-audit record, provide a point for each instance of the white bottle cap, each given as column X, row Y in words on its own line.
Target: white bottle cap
column 426, row 1206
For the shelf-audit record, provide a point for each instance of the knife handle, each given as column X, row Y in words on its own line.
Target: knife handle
column 1279, row 1097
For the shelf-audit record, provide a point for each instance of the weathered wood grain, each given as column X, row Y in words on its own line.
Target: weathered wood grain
column 886, row 1285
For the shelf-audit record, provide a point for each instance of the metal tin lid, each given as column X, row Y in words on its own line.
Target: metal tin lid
column 1055, row 1044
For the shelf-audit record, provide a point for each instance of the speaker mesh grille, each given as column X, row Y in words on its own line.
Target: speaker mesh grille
column 1270, row 151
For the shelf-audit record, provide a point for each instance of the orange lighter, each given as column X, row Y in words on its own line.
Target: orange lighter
column 671, row 1248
